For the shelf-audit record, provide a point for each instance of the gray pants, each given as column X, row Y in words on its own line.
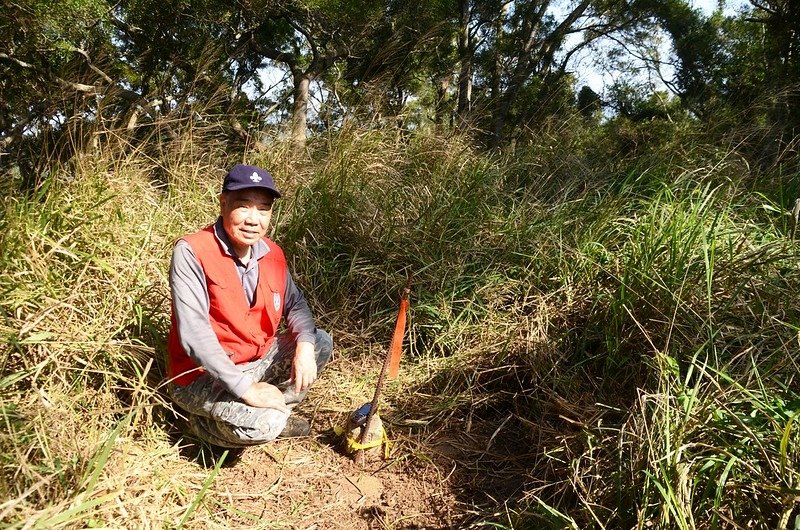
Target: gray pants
column 218, row 417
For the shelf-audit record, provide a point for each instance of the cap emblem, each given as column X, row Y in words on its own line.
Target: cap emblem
column 255, row 177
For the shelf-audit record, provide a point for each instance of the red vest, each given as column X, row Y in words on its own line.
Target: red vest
column 245, row 332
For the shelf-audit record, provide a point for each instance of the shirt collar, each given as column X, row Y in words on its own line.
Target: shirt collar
column 259, row 250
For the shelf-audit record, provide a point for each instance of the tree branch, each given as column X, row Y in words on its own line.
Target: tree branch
column 94, row 68
column 70, row 85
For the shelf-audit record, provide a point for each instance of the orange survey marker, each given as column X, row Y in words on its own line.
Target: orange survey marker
column 396, row 348
column 391, row 365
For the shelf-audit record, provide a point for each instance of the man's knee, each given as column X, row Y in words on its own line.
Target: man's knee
column 266, row 427
column 323, row 348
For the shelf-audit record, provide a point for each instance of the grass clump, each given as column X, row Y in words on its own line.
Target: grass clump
column 644, row 306
column 83, row 312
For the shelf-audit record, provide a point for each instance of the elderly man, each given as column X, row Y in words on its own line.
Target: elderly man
column 235, row 377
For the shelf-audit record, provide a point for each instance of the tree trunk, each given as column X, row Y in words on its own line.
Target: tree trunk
column 535, row 57
column 497, row 72
column 442, row 100
column 465, row 71
column 302, row 81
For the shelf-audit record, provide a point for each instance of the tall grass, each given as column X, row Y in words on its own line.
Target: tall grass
column 83, row 312
column 691, row 334
column 648, row 302
column 663, row 294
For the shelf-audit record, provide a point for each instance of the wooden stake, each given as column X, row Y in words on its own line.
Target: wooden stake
column 392, row 358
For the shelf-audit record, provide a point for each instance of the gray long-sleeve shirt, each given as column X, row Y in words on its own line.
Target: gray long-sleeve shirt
column 191, row 305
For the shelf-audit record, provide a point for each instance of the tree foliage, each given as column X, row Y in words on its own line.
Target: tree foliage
column 51, row 62
column 497, row 68
column 735, row 70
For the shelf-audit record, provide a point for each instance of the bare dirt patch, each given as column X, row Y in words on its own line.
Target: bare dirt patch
column 306, row 484
column 440, row 474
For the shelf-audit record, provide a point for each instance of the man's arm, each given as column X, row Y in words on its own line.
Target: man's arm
column 300, row 323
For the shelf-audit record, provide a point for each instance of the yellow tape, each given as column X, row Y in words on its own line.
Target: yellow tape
column 353, row 445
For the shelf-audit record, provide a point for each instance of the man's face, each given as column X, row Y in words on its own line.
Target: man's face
column 245, row 216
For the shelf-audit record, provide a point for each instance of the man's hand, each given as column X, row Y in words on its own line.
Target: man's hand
column 265, row 395
column 304, row 367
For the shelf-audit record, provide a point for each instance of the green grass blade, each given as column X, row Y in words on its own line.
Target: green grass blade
column 203, row 490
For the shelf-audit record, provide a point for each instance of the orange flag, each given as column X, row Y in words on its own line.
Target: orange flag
column 396, row 348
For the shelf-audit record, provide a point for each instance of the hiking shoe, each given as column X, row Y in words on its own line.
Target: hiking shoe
column 295, row 426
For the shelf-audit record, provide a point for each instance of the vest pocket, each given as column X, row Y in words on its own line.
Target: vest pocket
column 272, row 279
column 217, row 294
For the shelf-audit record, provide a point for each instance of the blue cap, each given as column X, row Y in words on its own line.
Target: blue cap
column 242, row 176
